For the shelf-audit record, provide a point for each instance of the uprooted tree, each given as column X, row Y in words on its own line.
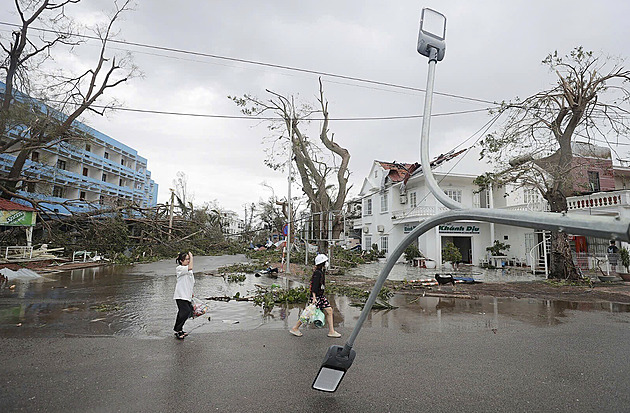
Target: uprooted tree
column 317, row 161
column 534, row 148
column 27, row 124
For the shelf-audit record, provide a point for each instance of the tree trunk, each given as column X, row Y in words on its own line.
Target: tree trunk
column 16, row 171
column 561, row 261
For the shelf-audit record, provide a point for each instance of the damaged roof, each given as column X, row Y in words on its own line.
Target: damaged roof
column 399, row 172
column 14, row 206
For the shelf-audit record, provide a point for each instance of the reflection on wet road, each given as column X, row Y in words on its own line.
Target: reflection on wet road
column 137, row 301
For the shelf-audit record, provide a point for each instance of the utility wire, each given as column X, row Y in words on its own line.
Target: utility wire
column 258, row 63
column 204, row 115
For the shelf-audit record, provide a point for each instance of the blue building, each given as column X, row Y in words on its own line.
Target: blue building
column 92, row 170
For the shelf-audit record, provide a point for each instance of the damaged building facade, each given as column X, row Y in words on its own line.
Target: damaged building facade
column 394, row 200
column 89, row 171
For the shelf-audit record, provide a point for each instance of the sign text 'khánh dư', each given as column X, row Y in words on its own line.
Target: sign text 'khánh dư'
column 408, row 228
column 459, row 229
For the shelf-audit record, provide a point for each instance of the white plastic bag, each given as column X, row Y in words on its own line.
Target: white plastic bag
column 199, row 307
column 307, row 314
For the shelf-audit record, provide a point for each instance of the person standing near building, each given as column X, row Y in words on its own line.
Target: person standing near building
column 183, row 292
column 613, row 255
column 318, row 284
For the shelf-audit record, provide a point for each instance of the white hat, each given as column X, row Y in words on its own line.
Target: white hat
column 320, row 258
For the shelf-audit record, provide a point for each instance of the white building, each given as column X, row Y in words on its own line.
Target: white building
column 232, row 225
column 395, row 200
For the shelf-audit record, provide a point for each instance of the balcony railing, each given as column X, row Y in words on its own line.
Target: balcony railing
column 539, row 206
column 417, row 212
column 601, row 200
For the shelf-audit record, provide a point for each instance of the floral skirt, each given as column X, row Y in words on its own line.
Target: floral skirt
column 322, row 302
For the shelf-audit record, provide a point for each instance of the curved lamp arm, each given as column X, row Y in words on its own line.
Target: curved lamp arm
column 601, row 227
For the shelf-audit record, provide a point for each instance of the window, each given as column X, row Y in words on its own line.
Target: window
column 481, row 199
column 593, row 181
column 61, row 164
column 122, row 162
column 375, row 174
column 101, row 199
column 88, row 148
column 85, row 171
column 104, row 178
column 367, row 206
column 58, row 191
column 82, row 196
column 35, row 156
column 120, row 182
column 413, row 200
column 384, row 201
column 454, row 194
column 106, row 155
column 384, row 243
column 531, row 196
column 368, row 243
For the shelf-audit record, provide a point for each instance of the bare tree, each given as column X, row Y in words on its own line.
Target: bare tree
column 182, row 195
column 534, row 146
column 317, row 162
column 33, row 124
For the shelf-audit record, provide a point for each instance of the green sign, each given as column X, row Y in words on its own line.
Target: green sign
column 408, row 228
column 17, row 218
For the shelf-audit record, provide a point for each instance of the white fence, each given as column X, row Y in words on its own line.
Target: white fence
column 606, row 262
column 18, row 252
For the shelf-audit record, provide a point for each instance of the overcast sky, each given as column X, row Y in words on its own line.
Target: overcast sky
column 494, row 52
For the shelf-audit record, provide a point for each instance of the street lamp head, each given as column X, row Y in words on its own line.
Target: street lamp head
column 336, row 362
column 432, row 36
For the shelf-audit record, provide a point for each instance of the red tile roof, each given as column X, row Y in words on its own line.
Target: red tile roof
column 14, row 206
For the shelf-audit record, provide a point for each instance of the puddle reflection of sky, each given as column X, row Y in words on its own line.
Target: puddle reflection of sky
column 137, row 301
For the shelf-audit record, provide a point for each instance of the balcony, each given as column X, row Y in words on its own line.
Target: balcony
column 600, row 201
column 416, row 214
column 539, row 206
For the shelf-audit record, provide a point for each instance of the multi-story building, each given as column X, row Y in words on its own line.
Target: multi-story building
column 395, row 200
column 232, row 225
column 90, row 171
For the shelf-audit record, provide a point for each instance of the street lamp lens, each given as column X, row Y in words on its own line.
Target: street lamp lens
column 433, row 23
column 328, row 379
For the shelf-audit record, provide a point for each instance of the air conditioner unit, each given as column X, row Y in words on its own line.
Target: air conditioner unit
column 366, row 230
column 380, row 228
column 403, row 198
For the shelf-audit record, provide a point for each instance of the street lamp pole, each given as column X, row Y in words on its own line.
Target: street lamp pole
column 339, row 359
column 289, row 223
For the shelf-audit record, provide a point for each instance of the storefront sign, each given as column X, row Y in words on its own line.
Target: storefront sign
column 459, row 229
column 17, row 218
column 408, row 228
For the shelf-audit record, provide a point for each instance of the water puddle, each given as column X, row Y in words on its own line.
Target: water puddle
column 401, row 271
column 137, row 301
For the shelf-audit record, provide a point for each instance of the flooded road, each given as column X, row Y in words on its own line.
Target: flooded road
column 137, row 301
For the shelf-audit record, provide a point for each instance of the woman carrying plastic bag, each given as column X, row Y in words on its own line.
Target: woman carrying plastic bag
column 318, row 282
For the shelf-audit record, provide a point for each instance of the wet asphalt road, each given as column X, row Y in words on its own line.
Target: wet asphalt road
column 579, row 365
column 430, row 354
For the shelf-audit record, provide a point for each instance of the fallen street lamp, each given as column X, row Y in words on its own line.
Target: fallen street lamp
column 337, row 361
column 431, row 44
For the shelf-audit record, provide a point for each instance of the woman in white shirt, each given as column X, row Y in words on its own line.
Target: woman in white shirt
column 183, row 292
